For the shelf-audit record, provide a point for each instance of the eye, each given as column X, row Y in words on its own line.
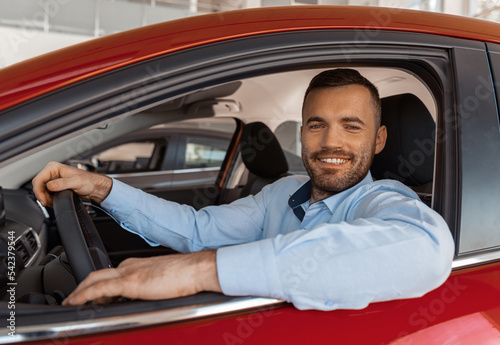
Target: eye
column 315, row 126
column 353, row 128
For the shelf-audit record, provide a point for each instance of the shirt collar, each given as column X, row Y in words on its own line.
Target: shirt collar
column 303, row 194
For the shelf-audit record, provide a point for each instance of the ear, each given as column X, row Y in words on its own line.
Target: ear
column 381, row 138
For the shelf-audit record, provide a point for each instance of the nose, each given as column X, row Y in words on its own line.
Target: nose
column 332, row 138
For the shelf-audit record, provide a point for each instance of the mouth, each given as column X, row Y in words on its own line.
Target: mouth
column 334, row 161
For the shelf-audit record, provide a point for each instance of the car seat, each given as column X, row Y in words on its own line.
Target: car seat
column 408, row 155
column 263, row 157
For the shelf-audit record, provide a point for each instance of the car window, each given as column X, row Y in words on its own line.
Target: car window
column 128, row 157
column 203, row 152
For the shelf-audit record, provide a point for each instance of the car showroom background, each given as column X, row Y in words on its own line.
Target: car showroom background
column 32, row 27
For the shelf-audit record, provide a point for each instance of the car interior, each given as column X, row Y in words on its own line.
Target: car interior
column 266, row 108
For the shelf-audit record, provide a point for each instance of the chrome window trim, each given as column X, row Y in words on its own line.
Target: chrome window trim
column 472, row 260
column 177, row 171
column 65, row 330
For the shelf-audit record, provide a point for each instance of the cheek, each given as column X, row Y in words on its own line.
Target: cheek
column 311, row 139
column 368, row 147
column 360, row 148
column 305, row 149
column 305, row 141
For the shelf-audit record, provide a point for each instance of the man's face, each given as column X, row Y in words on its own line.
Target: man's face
column 339, row 138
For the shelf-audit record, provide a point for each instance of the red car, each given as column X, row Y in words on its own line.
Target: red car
column 438, row 75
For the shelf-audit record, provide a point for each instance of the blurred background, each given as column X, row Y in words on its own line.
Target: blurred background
column 32, row 27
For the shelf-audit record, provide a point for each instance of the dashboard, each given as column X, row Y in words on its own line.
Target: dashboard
column 24, row 229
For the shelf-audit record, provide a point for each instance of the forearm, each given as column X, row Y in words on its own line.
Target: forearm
column 103, row 185
column 150, row 279
column 205, row 272
column 181, row 227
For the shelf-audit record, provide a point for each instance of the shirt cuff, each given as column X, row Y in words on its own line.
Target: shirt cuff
column 118, row 200
column 249, row 270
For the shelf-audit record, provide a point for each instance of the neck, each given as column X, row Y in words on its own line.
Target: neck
column 318, row 194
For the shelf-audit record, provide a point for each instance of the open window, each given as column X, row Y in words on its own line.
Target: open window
column 263, row 81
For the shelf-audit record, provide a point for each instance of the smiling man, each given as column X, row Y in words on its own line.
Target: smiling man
column 334, row 240
column 341, row 131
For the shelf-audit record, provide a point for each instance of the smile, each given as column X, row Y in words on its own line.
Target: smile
column 334, row 160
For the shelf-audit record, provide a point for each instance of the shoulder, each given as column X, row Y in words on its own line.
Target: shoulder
column 381, row 194
column 386, row 198
column 389, row 187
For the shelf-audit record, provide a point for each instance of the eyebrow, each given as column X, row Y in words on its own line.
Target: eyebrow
column 344, row 119
column 353, row 119
column 315, row 119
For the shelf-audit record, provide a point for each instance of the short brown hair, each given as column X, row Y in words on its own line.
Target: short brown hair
column 343, row 77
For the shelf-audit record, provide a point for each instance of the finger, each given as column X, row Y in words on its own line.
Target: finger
column 96, row 276
column 107, row 300
column 94, row 287
column 84, row 184
column 49, row 172
column 58, row 185
column 80, row 183
column 44, row 197
column 74, row 183
column 99, row 290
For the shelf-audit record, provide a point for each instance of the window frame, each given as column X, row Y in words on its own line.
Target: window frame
column 180, row 73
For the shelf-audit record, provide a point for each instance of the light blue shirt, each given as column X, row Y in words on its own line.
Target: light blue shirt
column 373, row 242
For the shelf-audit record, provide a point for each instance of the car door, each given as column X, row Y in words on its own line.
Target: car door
column 274, row 53
column 448, row 67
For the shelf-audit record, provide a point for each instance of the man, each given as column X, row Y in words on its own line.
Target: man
column 336, row 240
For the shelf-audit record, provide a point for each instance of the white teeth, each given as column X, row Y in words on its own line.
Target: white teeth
column 334, row 160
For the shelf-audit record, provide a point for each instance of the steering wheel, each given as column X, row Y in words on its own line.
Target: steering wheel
column 80, row 239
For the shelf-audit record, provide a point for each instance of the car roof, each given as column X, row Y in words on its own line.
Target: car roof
column 49, row 72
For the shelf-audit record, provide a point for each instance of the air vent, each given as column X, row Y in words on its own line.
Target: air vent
column 31, row 241
column 22, row 251
column 28, row 246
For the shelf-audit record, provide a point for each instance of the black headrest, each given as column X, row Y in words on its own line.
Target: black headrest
column 408, row 155
column 261, row 152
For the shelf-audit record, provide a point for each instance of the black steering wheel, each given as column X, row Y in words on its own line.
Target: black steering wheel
column 80, row 239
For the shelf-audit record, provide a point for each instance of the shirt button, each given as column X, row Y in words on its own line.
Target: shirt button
column 113, row 210
column 329, row 303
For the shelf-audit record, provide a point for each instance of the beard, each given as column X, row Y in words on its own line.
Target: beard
column 326, row 181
